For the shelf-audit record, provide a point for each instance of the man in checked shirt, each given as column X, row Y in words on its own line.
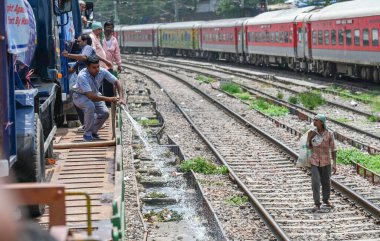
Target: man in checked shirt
column 321, row 142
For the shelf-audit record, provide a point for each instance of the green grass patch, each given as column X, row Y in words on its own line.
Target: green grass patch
column 156, row 195
column 149, row 122
column 373, row 96
column 237, row 200
column 268, row 108
column 373, row 118
column 231, row 88
column 201, row 165
column 204, row 79
column 372, row 162
column 311, row 99
column 280, row 95
column 293, row 100
column 243, row 96
column 342, row 120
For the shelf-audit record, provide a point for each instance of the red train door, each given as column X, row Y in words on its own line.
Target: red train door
column 300, row 39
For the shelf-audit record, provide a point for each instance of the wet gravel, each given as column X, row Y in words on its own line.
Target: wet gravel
column 217, row 188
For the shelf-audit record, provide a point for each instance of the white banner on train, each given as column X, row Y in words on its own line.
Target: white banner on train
column 17, row 25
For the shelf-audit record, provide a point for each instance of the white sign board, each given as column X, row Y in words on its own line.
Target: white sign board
column 17, row 24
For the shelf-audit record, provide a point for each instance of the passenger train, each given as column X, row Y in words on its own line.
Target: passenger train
column 340, row 39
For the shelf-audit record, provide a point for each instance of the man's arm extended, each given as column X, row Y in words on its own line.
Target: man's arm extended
column 95, row 97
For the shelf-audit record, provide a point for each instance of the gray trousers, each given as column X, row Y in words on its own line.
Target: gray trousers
column 320, row 175
column 95, row 113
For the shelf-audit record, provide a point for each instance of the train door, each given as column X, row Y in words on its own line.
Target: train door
column 300, row 40
column 240, row 39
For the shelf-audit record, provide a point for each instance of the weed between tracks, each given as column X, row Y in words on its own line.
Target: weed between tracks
column 237, row 200
column 148, row 122
column 201, row 165
column 231, row 88
column 204, row 79
column 156, row 195
column 269, row 108
column 164, row 215
column 311, row 99
column 372, row 162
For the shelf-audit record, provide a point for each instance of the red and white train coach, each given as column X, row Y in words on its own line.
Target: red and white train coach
column 140, row 38
column 272, row 38
column 345, row 39
column 223, row 39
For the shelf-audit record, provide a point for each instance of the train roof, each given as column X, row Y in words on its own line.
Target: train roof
column 223, row 23
column 350, row 9
column 280, row 16
column 182, row 25
column 141, row 27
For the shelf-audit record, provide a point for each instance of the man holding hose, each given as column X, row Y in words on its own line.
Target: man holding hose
column 88, row 98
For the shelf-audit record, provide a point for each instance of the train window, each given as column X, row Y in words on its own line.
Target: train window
column 272, row 37
column 276, row 37
column 340, row 37
column 365, row 37
column 348, row 37
column 327, row 37
column 333, row 37
column 286, row 37
column 320, row 37
column 357, row 37
column 314, row 36
column 375, row 37
column 290, row 36
column 267, row 37
column 281, row 37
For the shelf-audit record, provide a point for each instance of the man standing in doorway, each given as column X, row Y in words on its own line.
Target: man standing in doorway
column 111, row 48
column 87, row 97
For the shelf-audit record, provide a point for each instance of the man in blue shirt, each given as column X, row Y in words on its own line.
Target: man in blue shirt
column 88, row 98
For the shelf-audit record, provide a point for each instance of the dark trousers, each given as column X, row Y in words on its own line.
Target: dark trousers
column 320, row 175
column 107, row 89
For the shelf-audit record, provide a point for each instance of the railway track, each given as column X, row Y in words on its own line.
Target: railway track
column 352, row 135
column 267, row 172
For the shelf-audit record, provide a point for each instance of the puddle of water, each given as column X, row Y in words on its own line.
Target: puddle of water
column 192, row 226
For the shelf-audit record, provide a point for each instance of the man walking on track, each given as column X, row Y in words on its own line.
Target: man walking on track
column 87, row 97
column 321, row 142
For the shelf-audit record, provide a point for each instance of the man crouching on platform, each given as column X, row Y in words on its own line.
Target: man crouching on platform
column 88, row 98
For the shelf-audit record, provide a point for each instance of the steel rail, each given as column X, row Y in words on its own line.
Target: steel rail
column 360, row 200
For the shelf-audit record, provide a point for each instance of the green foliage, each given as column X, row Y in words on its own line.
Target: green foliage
column 372, row 96
column 235, row 9
column 201, row 165
column 280, row 95
column 311, row 99
column 139, row 11
column 373, row 118
column 243, row 96
column 156, row 195
column 231, row 88
column 237, row 200
column 293, row 100
column 372, row 162
column 165, row 215
column 204, row 79
column 342, row 119
column 268, row 108
column 149, row 122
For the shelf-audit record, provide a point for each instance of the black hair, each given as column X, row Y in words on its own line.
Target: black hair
column 86, row 37
column 109, row 23
column 92, row 60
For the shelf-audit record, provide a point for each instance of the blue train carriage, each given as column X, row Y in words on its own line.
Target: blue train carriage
column 33, row 84
column 180, row 38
